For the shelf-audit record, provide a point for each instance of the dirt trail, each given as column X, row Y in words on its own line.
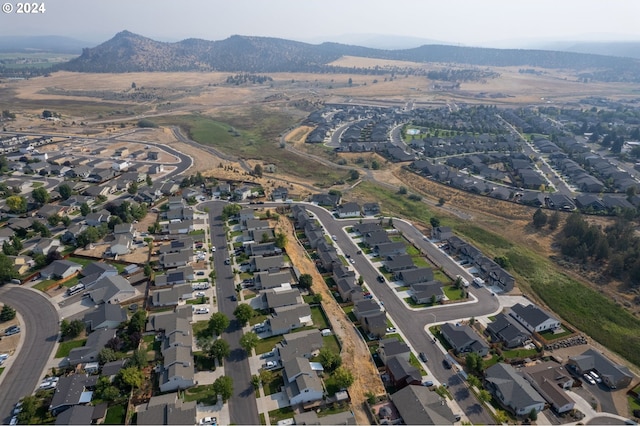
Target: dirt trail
column 355, row 353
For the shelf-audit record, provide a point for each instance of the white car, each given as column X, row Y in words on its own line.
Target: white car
column 270, row 364
column 208, row 421
column 199, row 294
column 391, row 330
column 14, row 421
column 595, row 376
column 587, row 378
column 202, row 310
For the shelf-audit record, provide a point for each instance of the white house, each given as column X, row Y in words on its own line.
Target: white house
column 534, row 318
column 301, row 382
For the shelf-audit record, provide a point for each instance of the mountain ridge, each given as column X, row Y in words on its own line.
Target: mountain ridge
column 130, row 52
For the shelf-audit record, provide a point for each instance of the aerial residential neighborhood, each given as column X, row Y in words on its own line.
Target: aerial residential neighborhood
column 396, row 213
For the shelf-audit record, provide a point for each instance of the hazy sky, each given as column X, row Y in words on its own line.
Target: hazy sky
column 470, row 22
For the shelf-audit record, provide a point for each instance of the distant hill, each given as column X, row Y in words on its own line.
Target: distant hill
column 128, row 52
column 49, row 44
column 625, row 49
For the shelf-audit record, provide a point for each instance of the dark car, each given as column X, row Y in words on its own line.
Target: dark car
column 446, row 364
column 234, row 298
column 423, row 357
column 380, row 279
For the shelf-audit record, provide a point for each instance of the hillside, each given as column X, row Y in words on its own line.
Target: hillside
column 128, row 52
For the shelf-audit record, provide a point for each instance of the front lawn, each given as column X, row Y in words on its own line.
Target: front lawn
column 452, row 292
column 266, row 345
column 414, row 361
column 550, row 336
column 274, row 383
column 198, row 301
column 413, row 304
column 202, row 394
column 280, row 414
column 65, row 347
column 519, row 353
column 331, row 343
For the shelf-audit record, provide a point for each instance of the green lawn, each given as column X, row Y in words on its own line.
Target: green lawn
column 202, row 394
column 414, row 361
column 198, row 301
column 65, row 347
column 1, row 370
column 551, row 336
column 200, row 328
column 452, row 293
column 413, row 304
column 44, row 285
column 421, row 262
column 331, row 342
column 266, row 345
column 318, row 317
column 274, row 384
column 280, row 414
column 402, row 288
column 441, row 276
column 413, row 252
column 519, row 353
column 115, row 415
column 634, row 404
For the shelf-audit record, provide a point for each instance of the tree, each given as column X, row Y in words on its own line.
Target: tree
column 435, row 222
column 149, row 181
column 85, row 209
column 223, row 386
column 441, row 201
column 257, row 170
column 41, row 195
column 54, row 220
column 539, row 218
column 114, row 343
column 66, row 221
column 65, row 191
column 17, row 203
column 138, row 359
column 7, row 313
column 305, row 281
column 131, row 377
column 249, row 341
column 147, row 270
column 502, row 261
column 71, row 329
column 219, row 350
column 243, row 313
column 474, row 381
column 8, row 249
column 330, row 360
column 133, row 188
column 484, row 395
column 281, row 240
column 533, row 415
column 475, row 364
column 218, row 323
column 7, row 271
column 230, row 210
column 107, row 355
column 342, row 378
column 402, row 190
column 554, row 220
column 41, row 228
column 354, row 174
column 137, row 322
column 30, row 405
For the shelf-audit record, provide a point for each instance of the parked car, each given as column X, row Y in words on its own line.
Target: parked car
column 200, row 273
column 446, row 364
column 202, row 310
column 427, row 383
column 352, row 260
column 14, row 329
column 587, row 378
column 270, row 364
column 380, row 279
column 595, row 376
column 423, row 357
column 208, row 421
column 234, row 298
column 14, row 421
column 391, row 330
column 267, row 355
column 213, row 249
column 199, row 294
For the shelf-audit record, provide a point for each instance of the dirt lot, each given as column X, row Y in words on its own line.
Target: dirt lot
column 355, row 353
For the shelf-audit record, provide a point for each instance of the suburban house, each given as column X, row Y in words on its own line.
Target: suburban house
column 95, row 271
column 175, row 260
column 551, row 380
column 371, row 209
column 392, row 347
column 613, row 375
column 121, row 245
column 347, row 288
column 441, row 233
column 288, row 318
column 266, row 280
column 390, row 248
column 177, row 369
column 111, row 289
column 95, row 343
column 414, row 276
column 399, row 262
column 401, row 373
column 171, row 296
column 167, row 409
column 105, row 315
column 176, row 246
column 305, row 343
column 348, row 210
column 463, row 339
column 175, row 276
column 301, row 381
column 311, row 418
column 268, row 263
column 418, row 405
column 60, row 269
column 428, row 292
column 512, row 390
column 72, row 390
column 365, row 307
column 533, row 318
column 22, row 264
column 46, row 246
column 374, row 323
column 281, row 296
column 506, row 329
column 83, row 415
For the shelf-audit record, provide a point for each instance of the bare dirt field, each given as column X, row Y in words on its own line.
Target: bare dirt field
column 355, row 353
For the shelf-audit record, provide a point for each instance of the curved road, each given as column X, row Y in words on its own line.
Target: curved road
column 40, row 328
column 412, row 322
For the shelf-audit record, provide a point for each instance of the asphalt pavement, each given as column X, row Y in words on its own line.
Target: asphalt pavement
column 40, row 328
